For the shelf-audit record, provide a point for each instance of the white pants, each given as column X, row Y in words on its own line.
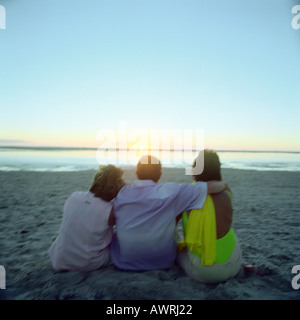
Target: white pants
column 210, row 274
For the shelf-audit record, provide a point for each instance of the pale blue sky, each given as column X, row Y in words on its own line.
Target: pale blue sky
column 71, row 68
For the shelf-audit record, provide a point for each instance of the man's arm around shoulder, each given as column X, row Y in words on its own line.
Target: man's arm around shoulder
column 216, row 186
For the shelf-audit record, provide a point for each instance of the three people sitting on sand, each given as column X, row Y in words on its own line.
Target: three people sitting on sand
column 145, row 215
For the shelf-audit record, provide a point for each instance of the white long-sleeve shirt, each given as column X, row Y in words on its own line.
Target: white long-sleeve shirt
column 84, row 236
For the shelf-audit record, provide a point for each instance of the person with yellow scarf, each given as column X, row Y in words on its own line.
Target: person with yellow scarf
column 208, row 249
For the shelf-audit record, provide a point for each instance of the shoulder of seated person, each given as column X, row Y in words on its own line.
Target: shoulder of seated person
column 223, row 195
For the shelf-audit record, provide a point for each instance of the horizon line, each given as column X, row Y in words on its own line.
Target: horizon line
column 139, row 149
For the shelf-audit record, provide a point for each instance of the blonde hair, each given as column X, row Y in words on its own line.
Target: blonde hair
column 107, row 182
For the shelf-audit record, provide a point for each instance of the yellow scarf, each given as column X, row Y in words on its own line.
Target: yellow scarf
column 201, row 233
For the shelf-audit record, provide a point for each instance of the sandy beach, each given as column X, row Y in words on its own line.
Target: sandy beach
column 266, row 221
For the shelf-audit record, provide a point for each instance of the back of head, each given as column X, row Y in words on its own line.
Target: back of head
column 149, row 168
column 107, row 182
column 212, row 167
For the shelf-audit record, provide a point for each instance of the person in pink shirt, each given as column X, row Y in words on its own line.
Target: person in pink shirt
column 87, row 225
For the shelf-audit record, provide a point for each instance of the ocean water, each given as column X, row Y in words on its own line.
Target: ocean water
column 76, row 159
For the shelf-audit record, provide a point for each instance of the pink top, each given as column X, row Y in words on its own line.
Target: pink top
column 84, row 236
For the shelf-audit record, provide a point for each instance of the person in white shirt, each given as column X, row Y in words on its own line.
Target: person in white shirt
column 87, row 225
column 145, row 214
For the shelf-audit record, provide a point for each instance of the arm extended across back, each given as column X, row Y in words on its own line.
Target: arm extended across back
column 212, row 187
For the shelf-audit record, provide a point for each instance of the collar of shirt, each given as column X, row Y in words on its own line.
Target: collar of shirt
column 142, row 183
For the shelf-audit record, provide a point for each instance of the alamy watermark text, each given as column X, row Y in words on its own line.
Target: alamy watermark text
column 2, row 17
column 126, row 144
column 2, row 278
column 296, row 18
